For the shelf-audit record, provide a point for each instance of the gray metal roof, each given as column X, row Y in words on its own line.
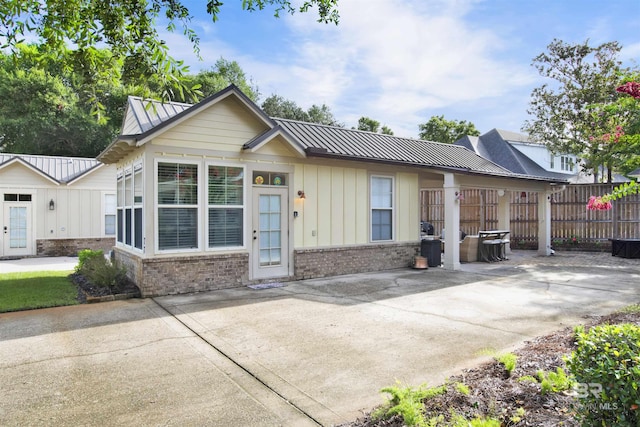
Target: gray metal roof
column 317, row 140
column 361, row 145
column 143, row 115
column 60, row 169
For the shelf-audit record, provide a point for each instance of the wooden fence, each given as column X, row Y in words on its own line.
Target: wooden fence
column 572, row 225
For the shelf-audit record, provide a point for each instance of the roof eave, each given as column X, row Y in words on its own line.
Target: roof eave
column 119, row 148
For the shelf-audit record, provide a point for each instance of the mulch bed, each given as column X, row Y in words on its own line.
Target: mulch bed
column 494, row 393
column 88, row 292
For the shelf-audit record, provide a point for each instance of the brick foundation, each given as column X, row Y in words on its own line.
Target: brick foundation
column 187, row 274
column 179, row 275
column 71, row 247
column 314, row 263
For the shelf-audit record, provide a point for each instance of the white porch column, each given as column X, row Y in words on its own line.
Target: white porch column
column 451, row 223
column 544, row 222
column 504, row 214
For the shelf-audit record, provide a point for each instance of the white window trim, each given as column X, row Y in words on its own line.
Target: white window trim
column 393, row 208
column 103, row 209
column 205, row 200
column 156, row 227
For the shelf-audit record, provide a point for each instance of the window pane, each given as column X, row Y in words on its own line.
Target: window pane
column 177, row 184
column 109, row 225
column 137, row 226
column 226, row 185
column 110, row 204
column 177, row 228
column 225, row 227
column 381, row 192
column 120, row 226
column 127, row 226
column 137, row 187
column 381, row 224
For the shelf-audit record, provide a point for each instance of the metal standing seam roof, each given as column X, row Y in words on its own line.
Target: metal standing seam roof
column 328, row 141
column 61, row 169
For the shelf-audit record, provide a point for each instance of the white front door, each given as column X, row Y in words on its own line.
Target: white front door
column 16, row 230
column 270, row 234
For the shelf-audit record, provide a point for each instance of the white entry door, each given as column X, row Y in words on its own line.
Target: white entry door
column 270, row 234
column 16, row 230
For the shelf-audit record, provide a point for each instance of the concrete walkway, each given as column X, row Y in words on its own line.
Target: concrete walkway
column 310, row 352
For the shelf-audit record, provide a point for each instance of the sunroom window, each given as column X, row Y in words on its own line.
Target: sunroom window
column 177, row 206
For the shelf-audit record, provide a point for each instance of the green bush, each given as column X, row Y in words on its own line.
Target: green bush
column 85, row 255
column 101, row 272
column 508, row 360
column 606, row 367
column 555, row 382
column 407, row 402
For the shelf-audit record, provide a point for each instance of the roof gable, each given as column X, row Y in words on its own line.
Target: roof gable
column 55, row 169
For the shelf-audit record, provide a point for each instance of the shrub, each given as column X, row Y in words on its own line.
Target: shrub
column 606, row 366
column 508, row 360
column 462, row 388
column 101, row 272
column 408, row 403
column 555, row 382
column 85, row 255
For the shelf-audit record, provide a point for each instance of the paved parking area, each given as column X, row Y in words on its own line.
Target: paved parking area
column 314, row 351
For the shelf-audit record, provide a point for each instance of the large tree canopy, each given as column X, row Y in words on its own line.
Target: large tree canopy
column 570, row 113
column 440, row 129
column 277, row 106
column 128, row 28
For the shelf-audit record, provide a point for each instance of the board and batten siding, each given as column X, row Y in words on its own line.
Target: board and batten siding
column 225, row 126
column 335, row 211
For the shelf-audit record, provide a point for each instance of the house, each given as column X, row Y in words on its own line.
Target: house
column 218, row 195
column 54, row 206
column 520, row 154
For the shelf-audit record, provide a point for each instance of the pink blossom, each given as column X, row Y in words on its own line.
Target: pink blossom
column 631, row 88
column 597, row 204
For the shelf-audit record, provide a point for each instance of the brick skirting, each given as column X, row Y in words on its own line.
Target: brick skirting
column 314, row 263
column 198, row 273
column 71, row 247
column 180, row 275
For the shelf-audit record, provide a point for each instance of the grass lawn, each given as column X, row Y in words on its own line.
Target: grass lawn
column 40, row 289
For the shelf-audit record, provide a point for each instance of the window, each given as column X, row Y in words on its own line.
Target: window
column 225, row 206
column 109, row 214
column 552, row 161
column 177, row 206
column 566, row 163
column 381, row 208
column 120, row 210
column 128, row 208
column 137, row 207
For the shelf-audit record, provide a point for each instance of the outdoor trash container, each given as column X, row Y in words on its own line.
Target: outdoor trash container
column 430, row 249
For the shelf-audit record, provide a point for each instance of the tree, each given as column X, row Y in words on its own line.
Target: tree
column 47, row 113
column 439, row 129
column 221, row 75
column 277, row 106
column 367, row 124
column 386, row 130
column 565, row 116
column 128, row 29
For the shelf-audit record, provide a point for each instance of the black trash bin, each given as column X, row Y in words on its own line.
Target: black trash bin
column 430, row 249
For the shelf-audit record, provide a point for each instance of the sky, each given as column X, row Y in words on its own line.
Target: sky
column 400, row 62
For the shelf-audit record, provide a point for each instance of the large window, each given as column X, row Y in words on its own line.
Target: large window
column 225, row 206
column 381, row 208
column 566, row 163
column 177, row 206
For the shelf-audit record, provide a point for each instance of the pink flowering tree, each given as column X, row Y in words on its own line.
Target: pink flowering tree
column 624, row 144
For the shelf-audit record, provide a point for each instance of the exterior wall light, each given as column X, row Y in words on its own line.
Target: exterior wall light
column 301, row 194
column 52, row 205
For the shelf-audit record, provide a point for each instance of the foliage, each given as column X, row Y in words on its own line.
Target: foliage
column 277, row 106
column 370, row 125
column 606, row 363
column 407, row 402
column 102, row 272
column 508, row 360
column 462, row 388
column 439, row 129
column 30, row 290
column 582, row 77
column 221, row 75
column 85, row 255
column 555, row 382
column 129, row 29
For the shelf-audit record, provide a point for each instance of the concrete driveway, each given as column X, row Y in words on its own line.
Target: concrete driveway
column 314, row 351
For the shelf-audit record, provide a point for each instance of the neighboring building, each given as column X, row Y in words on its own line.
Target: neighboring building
column 55, row 206
column 220, row 195
column 519, row 154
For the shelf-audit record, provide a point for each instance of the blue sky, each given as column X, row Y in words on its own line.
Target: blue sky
column 402, row 61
